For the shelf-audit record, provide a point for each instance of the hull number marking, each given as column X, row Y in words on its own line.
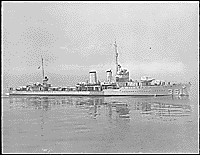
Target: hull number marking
column 174, row 91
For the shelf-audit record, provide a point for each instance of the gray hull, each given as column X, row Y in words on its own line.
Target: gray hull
column 175, row 90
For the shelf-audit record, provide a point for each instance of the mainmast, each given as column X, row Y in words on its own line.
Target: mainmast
column 116, row 57
column 42, row 68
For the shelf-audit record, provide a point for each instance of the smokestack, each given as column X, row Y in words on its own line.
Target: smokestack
column 109, row 76
column 93, row 77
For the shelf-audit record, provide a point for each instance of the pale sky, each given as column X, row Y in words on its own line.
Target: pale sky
column 154, row 39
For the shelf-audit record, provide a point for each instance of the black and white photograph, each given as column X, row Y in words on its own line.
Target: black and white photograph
column 100, row 77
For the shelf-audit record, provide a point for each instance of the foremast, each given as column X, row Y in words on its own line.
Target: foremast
column 116, row 57
column 44, row 78
column 42, row 68
column 121, row 75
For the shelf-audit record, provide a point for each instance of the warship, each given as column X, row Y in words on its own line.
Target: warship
column 119, row 84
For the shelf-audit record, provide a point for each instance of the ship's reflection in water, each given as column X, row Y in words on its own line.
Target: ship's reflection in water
column 164, row 107
column 121, row 106
column 112, row 119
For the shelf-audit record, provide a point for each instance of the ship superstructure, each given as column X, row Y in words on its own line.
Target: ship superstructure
column 119, row 84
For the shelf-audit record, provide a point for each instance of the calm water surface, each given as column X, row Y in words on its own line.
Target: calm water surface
column 99, row 124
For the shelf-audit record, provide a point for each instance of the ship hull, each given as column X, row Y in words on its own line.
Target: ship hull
column 174, row 90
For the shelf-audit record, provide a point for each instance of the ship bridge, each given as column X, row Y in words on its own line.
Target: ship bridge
column 122, row 75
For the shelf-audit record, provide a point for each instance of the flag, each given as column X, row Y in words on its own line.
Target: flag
column 39, row 67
